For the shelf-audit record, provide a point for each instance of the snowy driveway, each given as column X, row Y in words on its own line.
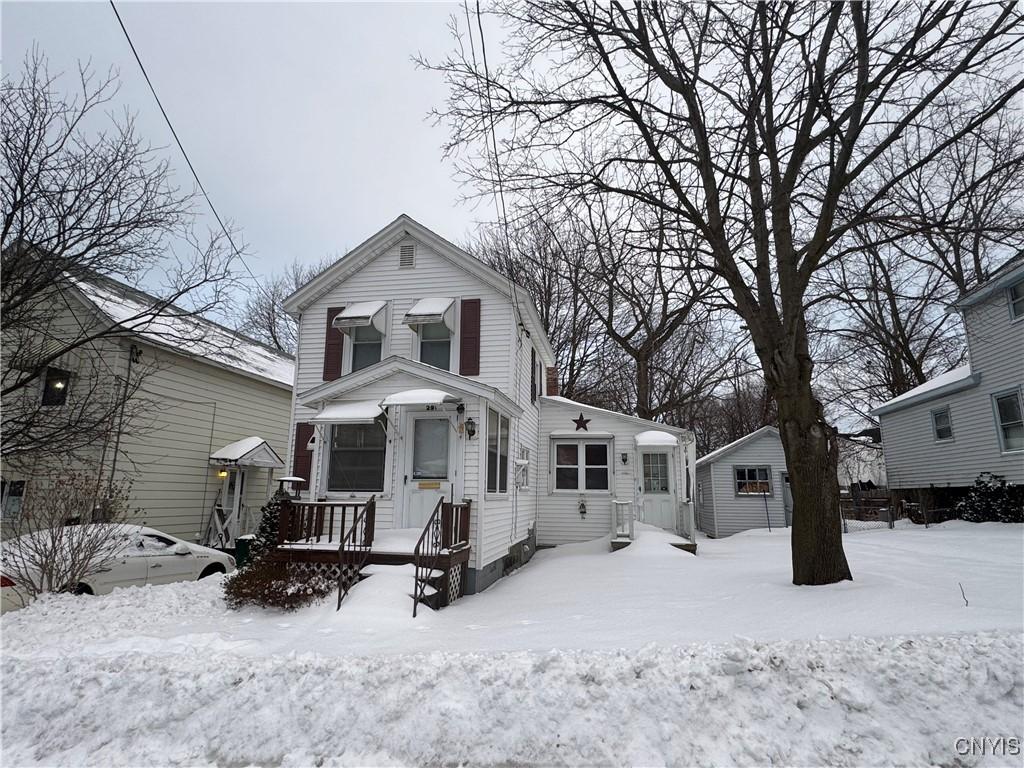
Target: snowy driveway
column 583, row 657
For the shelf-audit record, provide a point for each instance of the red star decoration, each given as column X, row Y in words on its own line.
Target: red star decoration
column 581, row 423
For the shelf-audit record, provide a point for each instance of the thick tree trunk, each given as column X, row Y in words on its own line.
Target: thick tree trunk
column 812, row 454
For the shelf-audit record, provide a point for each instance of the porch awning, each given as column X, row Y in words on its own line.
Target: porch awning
column 361, row 314
column 357, row 412
column 420, row 397
column 434, row 310
column 248, row 452
column 654, row 438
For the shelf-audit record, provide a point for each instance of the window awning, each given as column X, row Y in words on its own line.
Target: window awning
column 436, row 310
column 420, row 397
column 361, row 314
column 357, row 412
column 654, row 438
column 248, row 452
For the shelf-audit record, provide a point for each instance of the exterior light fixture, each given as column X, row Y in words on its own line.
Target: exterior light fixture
column 470, row 427
column 625, row 458
column 222, row 473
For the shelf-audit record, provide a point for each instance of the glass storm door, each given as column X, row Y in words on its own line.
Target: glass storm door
column 430, row 474
column 658, row 502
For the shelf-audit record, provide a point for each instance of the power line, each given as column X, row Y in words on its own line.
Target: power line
column 188, row 160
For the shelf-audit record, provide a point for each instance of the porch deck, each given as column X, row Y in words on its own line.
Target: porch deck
column 387, row 540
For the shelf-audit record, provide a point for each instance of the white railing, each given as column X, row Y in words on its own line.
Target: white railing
column 622, row 519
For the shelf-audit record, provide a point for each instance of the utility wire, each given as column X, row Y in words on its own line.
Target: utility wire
column 188, row 160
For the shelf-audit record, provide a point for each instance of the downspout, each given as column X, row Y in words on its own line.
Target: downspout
column 133, row 354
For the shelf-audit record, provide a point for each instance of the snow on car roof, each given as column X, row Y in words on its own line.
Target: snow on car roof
column 146, row 316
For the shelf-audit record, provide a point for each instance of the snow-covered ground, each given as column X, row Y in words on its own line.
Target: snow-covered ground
column 645, row 656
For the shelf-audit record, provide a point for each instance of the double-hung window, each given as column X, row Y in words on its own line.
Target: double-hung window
column 942, row 426
column 366, row 346
column 1016, row 292
column 497, row 452
column 582, row 466
column 436, row 345
column 55, row 387
column 752, row 481
column 1010, row 420
column 356, row 459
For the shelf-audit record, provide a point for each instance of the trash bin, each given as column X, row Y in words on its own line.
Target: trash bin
column 242, row 544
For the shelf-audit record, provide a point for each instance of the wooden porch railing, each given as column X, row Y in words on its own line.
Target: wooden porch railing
column 355, row 548
column 446, row 530
column 316, row 522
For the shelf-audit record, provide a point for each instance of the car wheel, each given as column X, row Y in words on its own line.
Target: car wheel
column 83, row 589
column 211, row 569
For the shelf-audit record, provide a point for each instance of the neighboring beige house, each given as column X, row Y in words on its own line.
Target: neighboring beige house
column 216, row 413
column 940, row 436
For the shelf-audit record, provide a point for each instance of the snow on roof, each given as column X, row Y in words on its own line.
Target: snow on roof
column 949, row 378
column 249, row 451
column 420, row 397
column 148, row 317
column 729, row 448
column 433, row 310
column 559, row 400
column 352, row 412
column 656, row 437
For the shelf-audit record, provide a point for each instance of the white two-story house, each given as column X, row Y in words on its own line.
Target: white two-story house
column 422, row 373
column 938, row 437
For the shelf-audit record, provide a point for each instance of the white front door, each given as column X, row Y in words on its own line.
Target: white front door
column 430, row 466
column 658, row 498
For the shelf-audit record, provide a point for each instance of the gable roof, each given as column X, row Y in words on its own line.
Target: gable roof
column 402, row 227
column 151, row 320
column 725, row 450
column 389, row 366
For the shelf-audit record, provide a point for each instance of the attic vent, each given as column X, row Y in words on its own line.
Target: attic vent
column 406, row 256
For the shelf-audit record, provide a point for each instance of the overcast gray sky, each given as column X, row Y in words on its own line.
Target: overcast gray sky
column 307, row 123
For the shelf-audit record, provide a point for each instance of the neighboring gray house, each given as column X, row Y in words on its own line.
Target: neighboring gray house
column 940, row 436
column 744, row 485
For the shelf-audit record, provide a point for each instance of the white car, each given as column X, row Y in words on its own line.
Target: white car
column 146, row 556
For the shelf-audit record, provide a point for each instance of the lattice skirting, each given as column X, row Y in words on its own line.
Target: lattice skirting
column 456, row 582
column 328, row 570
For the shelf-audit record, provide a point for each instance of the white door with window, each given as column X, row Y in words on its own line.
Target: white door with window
column 657, row 491
column 430, row 466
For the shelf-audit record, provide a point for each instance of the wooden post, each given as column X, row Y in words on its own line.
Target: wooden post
column 284, row 519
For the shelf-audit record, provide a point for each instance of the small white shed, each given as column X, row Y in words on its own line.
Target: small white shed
column 744, row 485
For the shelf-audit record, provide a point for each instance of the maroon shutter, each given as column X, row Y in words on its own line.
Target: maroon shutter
column 333, row 344
column 469, row 344
column 533, row 375
column 302, row 457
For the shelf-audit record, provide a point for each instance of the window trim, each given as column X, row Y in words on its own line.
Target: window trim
column 935, row 430
column 495, row 416
column 581, row 466
column 325, row 466
column 1019, row 392
column 746, row 494
column 1014, row 316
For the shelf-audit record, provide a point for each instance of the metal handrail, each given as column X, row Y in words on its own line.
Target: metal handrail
column 432, row 536
column 362, row 529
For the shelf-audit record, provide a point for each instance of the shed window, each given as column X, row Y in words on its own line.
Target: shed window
column 752, row 481
column 497, row 452
column 366, row 346
column 1017, row 300
column 55, row 386
column 582, row 466
column 357, row 457
column 1010, row 421
column 942, row 427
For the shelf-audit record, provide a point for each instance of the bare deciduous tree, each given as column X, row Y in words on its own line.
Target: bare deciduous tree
column 772, row 130
column 84, row 199
column 263, row 317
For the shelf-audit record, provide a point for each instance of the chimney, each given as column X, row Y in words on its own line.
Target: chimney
column 551, row 382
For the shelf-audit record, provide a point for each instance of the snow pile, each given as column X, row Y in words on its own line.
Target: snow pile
column 843, row 703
